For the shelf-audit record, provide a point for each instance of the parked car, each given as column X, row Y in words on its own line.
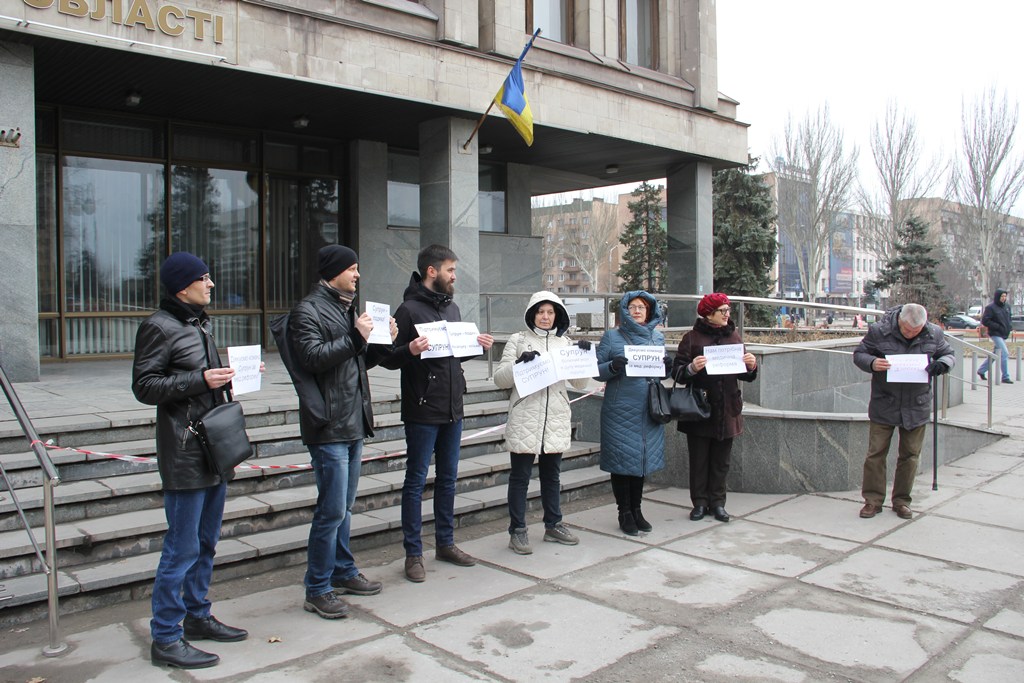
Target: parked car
column 975, row 311
column 1017, row 323
column 959, row 321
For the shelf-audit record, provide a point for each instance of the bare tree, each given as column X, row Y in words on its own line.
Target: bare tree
column 816, row 175
column 898, row 155
column 987, row 180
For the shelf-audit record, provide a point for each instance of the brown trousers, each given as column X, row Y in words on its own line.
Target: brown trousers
column 879, row 437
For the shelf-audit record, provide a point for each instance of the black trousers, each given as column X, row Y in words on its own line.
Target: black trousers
column 628, row 491
column 709, row 468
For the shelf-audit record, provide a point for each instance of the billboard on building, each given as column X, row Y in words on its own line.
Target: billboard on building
column 840, row 260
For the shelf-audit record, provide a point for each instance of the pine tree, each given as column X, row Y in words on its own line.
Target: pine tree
column 910, row 274
column 646, row 240
column 744, row 241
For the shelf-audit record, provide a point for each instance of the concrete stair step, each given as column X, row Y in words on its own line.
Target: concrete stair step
column 89, row 534
column 234, row 554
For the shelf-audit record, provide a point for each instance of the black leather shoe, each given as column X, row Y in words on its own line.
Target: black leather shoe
column 211, row 629
column 1007, row 381
column 697, row 513
column 720, row 514
column 641, row 523
column 181, row 655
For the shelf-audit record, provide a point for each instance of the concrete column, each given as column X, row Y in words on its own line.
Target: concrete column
column 698, row 51
column 690, row 241
column 386, row 257
column 449, row 214
column 19, row 324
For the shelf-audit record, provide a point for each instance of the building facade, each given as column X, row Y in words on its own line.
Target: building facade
column 252, row 132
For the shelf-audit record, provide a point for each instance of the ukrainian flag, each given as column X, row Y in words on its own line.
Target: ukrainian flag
column 511, row 99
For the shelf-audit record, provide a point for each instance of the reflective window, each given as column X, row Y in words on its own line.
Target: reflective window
column 113, row 225
column 552, row 17
column 491, row 198
column 215, row 215
column 302, row 217
column 403, row 190
column 638, row 32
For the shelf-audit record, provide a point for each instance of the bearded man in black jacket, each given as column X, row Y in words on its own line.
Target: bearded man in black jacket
column 178, row 370
column 432, row 390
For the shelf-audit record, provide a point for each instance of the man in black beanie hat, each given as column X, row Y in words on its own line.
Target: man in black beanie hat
column 329, row 341
column 178, row 370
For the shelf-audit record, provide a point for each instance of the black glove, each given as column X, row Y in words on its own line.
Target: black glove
column 936, row 368
column 618, row 364
column 669, row 362
column 584, row 344
column 527, row 356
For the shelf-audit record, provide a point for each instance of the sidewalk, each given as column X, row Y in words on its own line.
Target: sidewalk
column 795, row 588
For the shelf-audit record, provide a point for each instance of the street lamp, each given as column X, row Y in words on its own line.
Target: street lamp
column 610, row 251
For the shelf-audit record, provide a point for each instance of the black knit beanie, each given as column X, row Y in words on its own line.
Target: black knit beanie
column 334, row 259
column 180, row 270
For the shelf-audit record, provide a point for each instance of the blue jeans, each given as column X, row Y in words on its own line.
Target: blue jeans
column 549, row 467
column 999, row 346
column 336, row 466
column 186, row 561
column 422, row 441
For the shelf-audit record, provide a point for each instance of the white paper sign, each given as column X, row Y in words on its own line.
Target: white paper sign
column 726, row 359
column 245, row 361
column 381, row 314
column 572, row 362
column 535, row 374
column 437, row 337
column 462, row 337
column 645, row 361
column 907, row 367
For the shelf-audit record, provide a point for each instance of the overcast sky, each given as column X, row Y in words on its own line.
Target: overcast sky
column 788, row 57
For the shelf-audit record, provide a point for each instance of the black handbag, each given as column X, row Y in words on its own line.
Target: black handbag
column 689, row 403
column 658, row 402
column 220, row 431
column 221, row 435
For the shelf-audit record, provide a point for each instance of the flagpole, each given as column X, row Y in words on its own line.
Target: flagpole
column 481, row 121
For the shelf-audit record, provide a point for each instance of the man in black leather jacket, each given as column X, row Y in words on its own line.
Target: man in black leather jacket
column 432, row 390
column 328, row 340
column 177, row 369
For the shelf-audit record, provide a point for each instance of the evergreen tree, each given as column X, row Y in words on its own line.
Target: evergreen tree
column 744, row 242
column 646, row 240
column 910, row 274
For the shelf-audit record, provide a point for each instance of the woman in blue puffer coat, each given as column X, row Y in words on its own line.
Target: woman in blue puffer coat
column 632, row 444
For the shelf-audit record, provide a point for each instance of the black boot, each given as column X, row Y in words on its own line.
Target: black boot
column 641, row 523
column 628, row 524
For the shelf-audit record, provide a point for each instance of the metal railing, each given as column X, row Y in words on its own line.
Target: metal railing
column 739, row 304
column 50, row 480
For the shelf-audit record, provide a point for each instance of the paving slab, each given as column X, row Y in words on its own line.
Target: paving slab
column 981, row 658
column 674, row 589
column 931, row 586
column 290, row 636
column 987, row 508
column 988, row 460
column 763, row 548
column 738, row 504
column 549, row 559
column 109, row 653
column 670, row 522
column 1009, row 621
column 1010, row 485
column 847, row 637
column 969, row 543
column 828, row 517
column 527, row 637
column 447, row 589
column 390, row 658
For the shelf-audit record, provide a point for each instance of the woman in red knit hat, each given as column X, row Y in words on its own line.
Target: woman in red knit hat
column 709, row 441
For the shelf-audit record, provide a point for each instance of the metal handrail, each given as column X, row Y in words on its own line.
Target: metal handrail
column 51, row 480
column 740, row 301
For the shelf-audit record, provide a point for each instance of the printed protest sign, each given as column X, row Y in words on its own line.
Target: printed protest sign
column 381, row 314
column 645, row 361
column 726, row 359
column 437, row 336
column 534, row 375
column 907, row 368
column 462, row 337
column 245, row 361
